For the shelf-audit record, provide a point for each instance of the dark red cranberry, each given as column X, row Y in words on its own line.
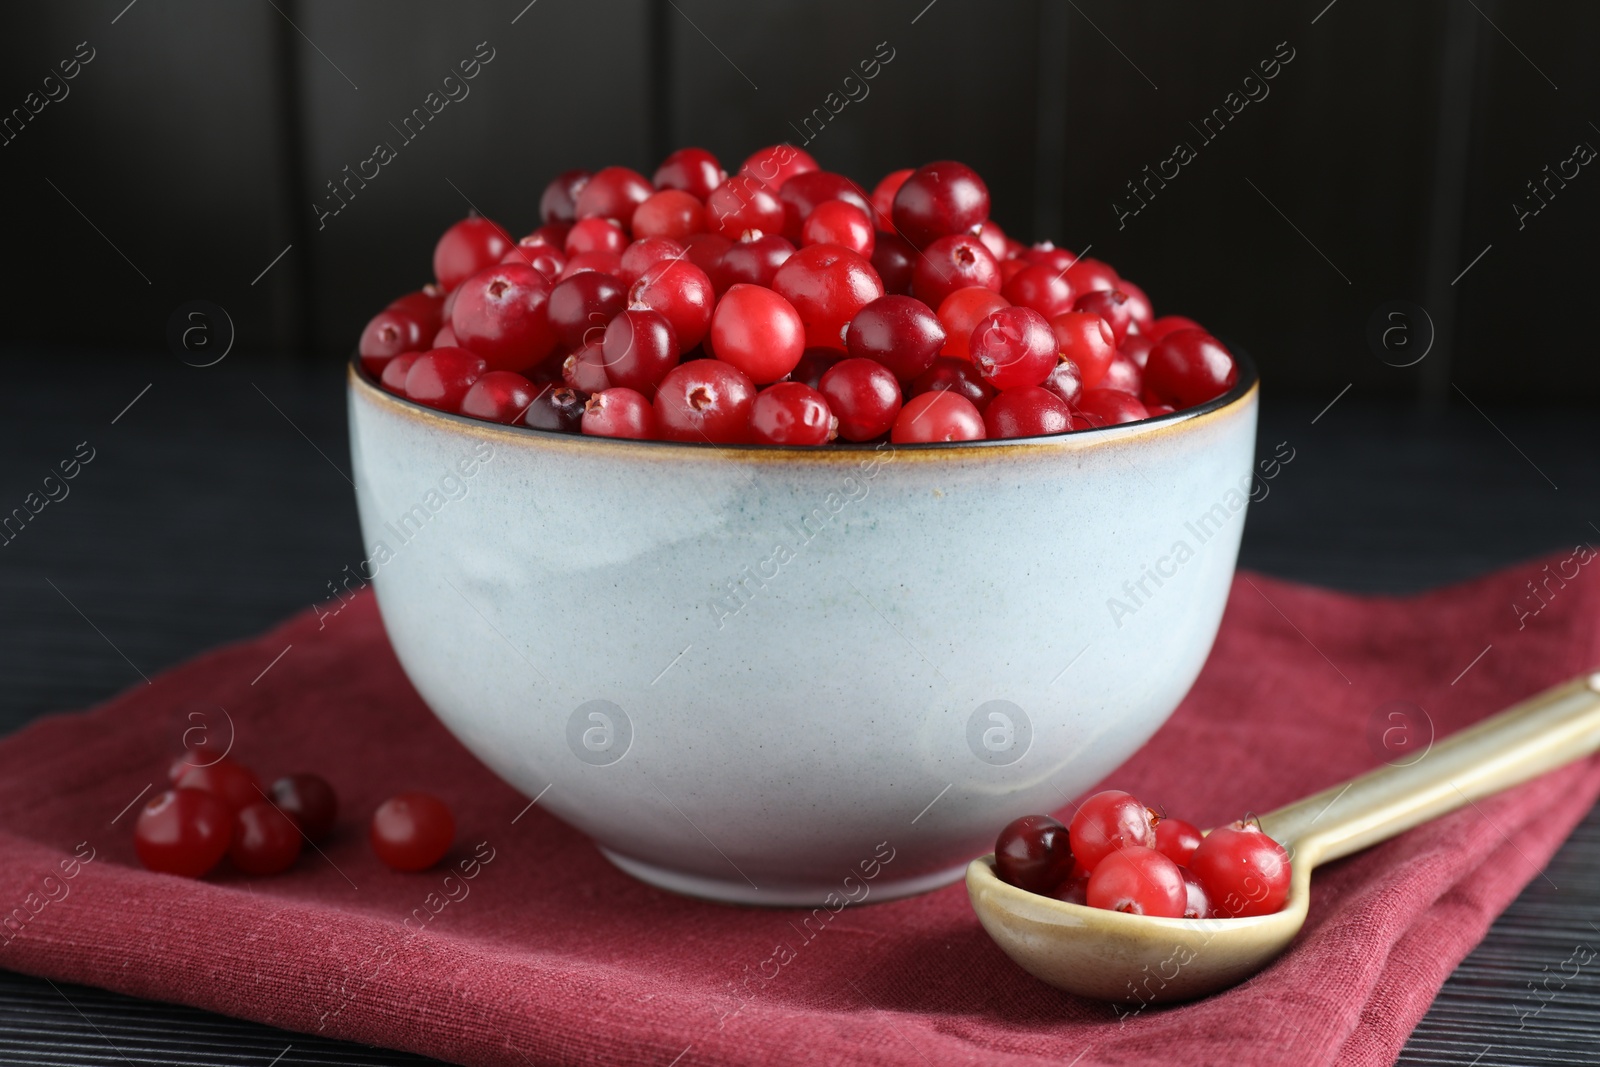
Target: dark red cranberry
column 670, row 213
column 1111, row 305
column 742, row 203
column 1139, row 306
column 1087, row 340
column 645, row 253
column 388, row 334
column 425, row 305
column 753, row 261
column 440, row 378
column 613, row 193
column 703, row 401
column 895, row 261
column 940, row 199
column 803, row 193
column 705, row 250
column 838, row 223
column 559, row 201
column 548, row 259
column 1027, row 411
column 1169, row 324
column 692, row 170
column 412, row 831
column 901, row 332
column 1048, row 255
column 310, row 801
column 1013, row 347
column 883, row 199
column 949, row 263
column 499, row 396
column 595, row 235
column 619, row 412
column 585, row 368
column 1032, row 853
column 1087, row 275
column 827, row 285
column 582, row 305
column 1065, row 381
column 265, row 840
column 863, row 395
column 500, row 313
column 790, row 413
column 1045, row 291
column 185, row 832
column 937, row 416
column 603, row 262
column 557, row 407
column 814, row 363
column 776, row 164
column 1189, row 367
column 226, row 779
column 639, row 348
column 1137, row 348
column 466, row 248
column 1109, row 407
column 395, row 371
column 959, row 375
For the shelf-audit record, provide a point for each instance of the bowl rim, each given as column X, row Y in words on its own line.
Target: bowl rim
column 1236, row 399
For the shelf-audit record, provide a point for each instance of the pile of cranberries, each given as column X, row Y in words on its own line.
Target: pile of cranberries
column 782, row 305
column 1121, row 856
column 219, row 809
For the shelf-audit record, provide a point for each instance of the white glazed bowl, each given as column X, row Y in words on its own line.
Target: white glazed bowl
column 800, row 676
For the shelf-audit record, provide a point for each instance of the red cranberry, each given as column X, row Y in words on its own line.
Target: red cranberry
column 1177, row 840
column 1010, row 268
column 596, row 235
column 1139, row 306
column 1027, row 411
column 943, row 415
column 1032, row 853
column 603, row 262
column 226, row 779
column 1137, row 348
column 613, row 193
column 742, row 203
column 1189, row 367
column 1045, row 291
column 827, row 285
column 183, row 832
column 1087, row 340
column 895, row 261
column 682, row 292
column 425, row 305
column 705, row 400
column 790, row 413
column 753, row 261
column 310, row 801
column 758, row 331
column 1197, row 904
column 1156, row 410
column 644, row 254
column 814, row 363
column 1123, row 375
column 1014, row 346
column 1075, row 890
column 691, row 170
column 900, row 332
column 883, row 198
column 412, row 831
column 669, row 213
column 996, row 241
column 1139, row 881
column 804, row 193
column 950, row 263
column 1109, row 407
column 863, row 395
column 1048, row 255
column 1087, row 275
column 440, row 378
column 776, row 164
column 619, row 412
column 499, row 396
column 705, row 250
column 1065, row 381
column 466, row 248
column 265, row 840
column 548, row 259
column 961, row 311
column 1244, row 871
column 1169, row 324
column 639, row 348
column 954, row 374
column 838, row 223
column 500, row 313
column 387, row 335
column 580, row 306
column 585, row 368
column 940, row 199
column 1108, row 821
column 559, row 201
column 395, row 371
column 1111, row 305
column 445, row 338
column 558, row 408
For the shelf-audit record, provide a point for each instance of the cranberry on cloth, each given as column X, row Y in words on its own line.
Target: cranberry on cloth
column 548, row 954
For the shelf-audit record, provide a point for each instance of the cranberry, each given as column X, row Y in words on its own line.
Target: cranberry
column 742, row 203
column 900, row 332
column 619, row 412
column 705, row 250
column 548, row 259
column 466, row 248
column 814, row 363
column 1197, row 904
column 827, row 285
column 613, row 193
column 996, row 241
column 603, row 262
column 265, row 840
column 425, row 305
column 1166, row 324
column 558, row 408
column 950, row 263
column 644, row 254
column 1159, row 409
column 682, row 292
column 228, row 780
column 500, row 314
column 1177, row 839
column 1139, row 307
column 1244, row 871
column 310, row 801
column 394, row 372
column 580, row 307
column 585, row 368
column 639, row 348
column 387, row 335
column 1123, row 375
column 1139, row 881
column 705, row 400
column 1087, row 340
column 883, row 198
column 838, row 223
column 1189, row 367
column 1109, row 407
column 183, row 832
column 1111, row 305
column 1137, row 348
column 1087, row 275
column 596, row 235
column 753, row 261
column 1031, row 853
column 864, row 395
column 1010, row 268
column 961, row 311
column 1108, row 821
column 1026, row 411
column 1065, row 381
column 1014, row 346
column 791, row 413
column 499, row 396
column 669, row 213
column 412, row 831
column 804, row 193
column 955, row 374
column 942, row 415
column 895, row 261
column 776, row 164
column 1048, row 255
column 559, row 201
column 1074, row 890
column 691, row 170
column 1045, row 291
column 445, row 338
column 758, row 331
column 440, row 378
column 939, row 199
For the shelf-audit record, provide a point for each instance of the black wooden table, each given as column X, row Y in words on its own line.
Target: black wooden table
column 218, row 502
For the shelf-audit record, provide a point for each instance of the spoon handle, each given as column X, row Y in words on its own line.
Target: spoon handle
column 1539, row 734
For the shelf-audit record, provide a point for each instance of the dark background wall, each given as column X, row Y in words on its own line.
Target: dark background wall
column 189, row 152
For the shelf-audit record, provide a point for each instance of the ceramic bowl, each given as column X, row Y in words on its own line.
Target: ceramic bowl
column 800, row 676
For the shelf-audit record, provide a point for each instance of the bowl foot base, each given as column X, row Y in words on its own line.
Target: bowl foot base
column 776, row 896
